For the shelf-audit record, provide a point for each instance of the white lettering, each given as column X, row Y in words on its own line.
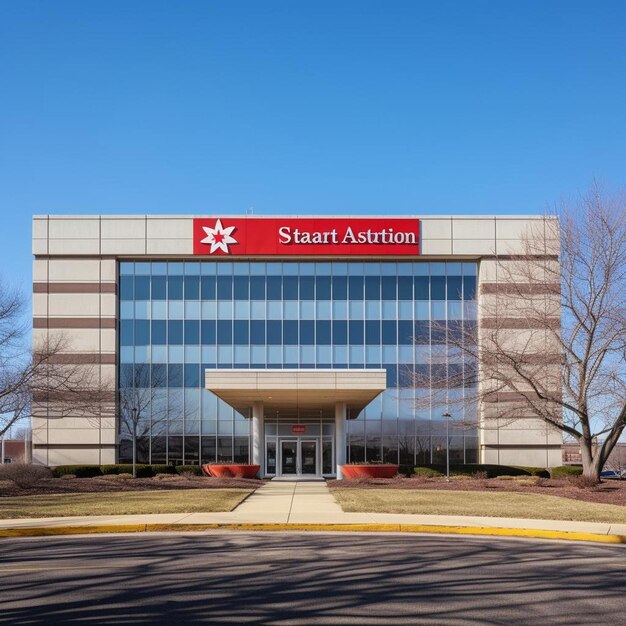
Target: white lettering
column 349, row 236
column 384, row 236
column 284, row 234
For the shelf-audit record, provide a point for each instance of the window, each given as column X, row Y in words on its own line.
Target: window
column 192, row 332
column 184, row 317
column 175, row 332
column 192, row 287
column 175, row 287
column 241, row 332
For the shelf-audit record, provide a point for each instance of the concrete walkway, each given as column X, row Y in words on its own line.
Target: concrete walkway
column 297, row 503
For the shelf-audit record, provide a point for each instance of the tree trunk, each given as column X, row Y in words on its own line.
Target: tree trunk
column 591, row 462
column 134, row 450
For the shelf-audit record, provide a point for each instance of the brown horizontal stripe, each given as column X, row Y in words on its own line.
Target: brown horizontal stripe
column 510, row 396
column 74, row 288
column 524, row 446
column 525, row 359
column 74, row 446
column 520, row 288
column 519, row 322
column 74, row 322
column 82, row 358
column 520, row 257
column 43, row 397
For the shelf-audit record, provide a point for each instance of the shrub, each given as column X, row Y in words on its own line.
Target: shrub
column 68, row 476
column 582, row 482
column 163, row 469
column 194, row 470
column 566, row 470
column 529, row 482
column 24, row 475
column 427, row 472
column 471, row 469
column 120, row 476
column 166, row 477
column 480, row 475
column 541, row 472
column 405, row 470
column 460, row 477
column 80, row 471
column 505, row 477
column 143, row 471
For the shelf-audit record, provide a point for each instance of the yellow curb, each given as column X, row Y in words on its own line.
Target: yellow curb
column 403, row 528
column 71, row 530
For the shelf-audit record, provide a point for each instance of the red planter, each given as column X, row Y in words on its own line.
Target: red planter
column 369, row 471
column 233, row 470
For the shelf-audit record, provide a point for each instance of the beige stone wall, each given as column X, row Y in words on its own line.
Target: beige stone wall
column 158, row 235
column 75, row 300
column 519, row 314
column 75, row 296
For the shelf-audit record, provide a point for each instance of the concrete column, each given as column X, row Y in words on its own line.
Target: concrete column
column 258, row 436
column 341, row 413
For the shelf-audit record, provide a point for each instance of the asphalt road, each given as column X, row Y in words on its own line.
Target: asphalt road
column 291, row 578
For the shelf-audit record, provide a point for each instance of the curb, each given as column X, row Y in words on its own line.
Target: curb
column 385, row 528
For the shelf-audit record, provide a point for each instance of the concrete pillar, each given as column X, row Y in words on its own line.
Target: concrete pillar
column 341, row 413
column 258, row 436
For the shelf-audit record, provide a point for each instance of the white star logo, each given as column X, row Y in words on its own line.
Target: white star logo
column 219, row 237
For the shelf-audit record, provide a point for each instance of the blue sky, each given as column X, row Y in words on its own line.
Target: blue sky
column 304, row 107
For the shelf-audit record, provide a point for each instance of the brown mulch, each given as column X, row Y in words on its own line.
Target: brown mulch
column 94, row 485
column 607, row 492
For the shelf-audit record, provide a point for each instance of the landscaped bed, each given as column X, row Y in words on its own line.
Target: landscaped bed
column 110, row 484
column 122, row 503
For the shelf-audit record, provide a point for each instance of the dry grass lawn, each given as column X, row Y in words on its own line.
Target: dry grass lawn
column 122, row 503
column 473, row 503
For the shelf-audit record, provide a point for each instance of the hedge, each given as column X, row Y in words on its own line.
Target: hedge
column 80, row 471
column 491, row 470
column 196, row 470
column 143, row 470
column 427, row 472
column 536, row 471
column 163, row 469
column 566, row 470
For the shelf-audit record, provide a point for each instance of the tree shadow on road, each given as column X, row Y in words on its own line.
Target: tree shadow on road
column 271, row 578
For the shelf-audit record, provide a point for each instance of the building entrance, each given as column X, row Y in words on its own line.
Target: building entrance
column 298, row 457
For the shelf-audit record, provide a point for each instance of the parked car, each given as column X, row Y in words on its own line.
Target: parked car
column 611, row 474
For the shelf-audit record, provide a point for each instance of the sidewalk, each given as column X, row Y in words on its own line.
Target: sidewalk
column 311, row 506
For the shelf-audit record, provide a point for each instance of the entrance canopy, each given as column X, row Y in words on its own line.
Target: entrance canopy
column 290, row 393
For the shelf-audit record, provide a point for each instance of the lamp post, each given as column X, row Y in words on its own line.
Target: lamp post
column 134, row 410
column 447, row 416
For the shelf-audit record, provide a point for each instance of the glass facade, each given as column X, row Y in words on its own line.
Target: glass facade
column 178, row 318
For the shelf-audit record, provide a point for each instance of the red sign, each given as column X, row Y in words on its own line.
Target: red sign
column 298, row 429
column 246, row 236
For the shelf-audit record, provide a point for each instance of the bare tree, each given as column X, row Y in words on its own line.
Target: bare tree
column 41, row 380
column 551, row 340
column 139, row 412
column 12, row 330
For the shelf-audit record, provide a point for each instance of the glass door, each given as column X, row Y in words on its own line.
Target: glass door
column 308, row 457
column 288, row 457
